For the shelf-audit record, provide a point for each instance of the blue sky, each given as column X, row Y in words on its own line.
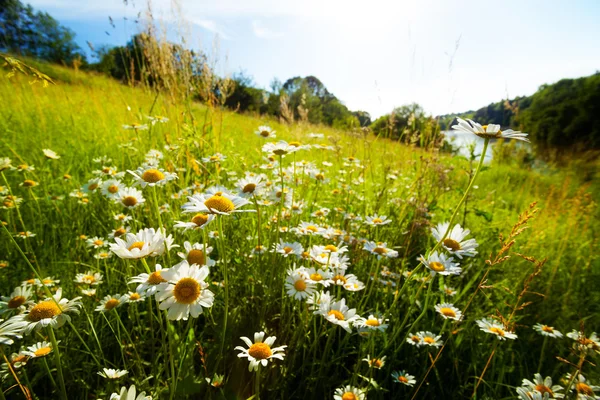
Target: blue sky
column 449, row 56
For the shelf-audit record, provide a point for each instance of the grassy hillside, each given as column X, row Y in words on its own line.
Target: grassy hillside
column 551, row 275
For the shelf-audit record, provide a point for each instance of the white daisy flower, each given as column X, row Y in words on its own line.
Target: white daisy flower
column 129, row 394
column 349, row 393
column 215, row 158
column 151, row 175
column 427, row 338
column 496, row 328
column 147, row 242
column 136, row 127
column 546, row 330
column 185, row 293
column 130, row 197
column 103, row 255
column 120, row 231
column 111, row 188
column 380, row 249
column 319, row 276
column 448, row 311
column 455, row 242
column 376, row 363
column 198, row 221
column 10, row 330
column 96, row 242
column 584, row 389
column 89, row 278
column 404, row 378
column 122, row 217
column 109, row 302
column 377, row 220
column 219, row 203
column 40, row 349
column 91, row 186
column 18, row 301
column 251, row 185
column 491, row 131
column 371, row 324
column 134, row 297
column 288, row 248
column 298, row 286
column 591, row 342
column 157, row 118
column 440, row 264
column 543, row 386
column 88, row 292
column 265, row 131
column 51, row 312
column 319, row 301
column 197, row 254
column 261, row 351
column 148, row 283
column 5, row 163
column 281, row 148
column 338, row 313
column 50, row 154
column 110, row 373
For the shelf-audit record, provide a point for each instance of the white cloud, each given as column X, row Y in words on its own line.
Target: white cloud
column 212, row 26
column 261, row 31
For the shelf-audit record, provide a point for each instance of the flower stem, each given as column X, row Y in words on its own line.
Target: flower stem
column 59, row 371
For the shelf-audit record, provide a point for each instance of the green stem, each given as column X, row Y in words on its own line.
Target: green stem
column 257, row 384
column 59, row 371
column 485, row 146
column 225, row 281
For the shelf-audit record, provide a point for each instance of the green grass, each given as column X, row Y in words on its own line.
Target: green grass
column 81, row 118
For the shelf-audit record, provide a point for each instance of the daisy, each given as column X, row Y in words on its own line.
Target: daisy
column 198, row 221
column 525, row 394
column 281, row 148
column 136, row 127
column 288, row 248
column 404, row 378
column 48, row 282
column 448, row 311
column 197, row 254
column 309, row 228
column 298, row 286
column 50, row 154
column 120, row 231
column 130, row 197
column 320, row 276
column 585, row 390
column 265, row 131
column 96, row 242
column 28, row 183
column 110, row 373
column 251, row 185
column 109, row 302
column 157, row 118
column 185, row 292
column 219, row 203
column 429, row 339
column 129, row 394
column 543, row 386
column 455, row 242
column 4, row 264
column 339, row 314
column 40, row 349
column 546, row 330
column 91, row 186
column 148, row 283
column 377, row 220
column 25, row 168
column 10, row 330
column 591, row 342
column 349, row 393
column 25, row 235
column 491, row 131
column 103, row 255
column 18, row 300
column 261, row 351
column 134, row 297
column 371, row 324
column 147, row 242
column 151, row 176
column 494, row 327
column 440, row 264
column 111, row 188
column 89, row 278
column 5, row 163
column 319, row 301
column 380, row 249
column 376, row 363
column 448, row 290
column 316, row 135
column 123, row 218
column 52, row 312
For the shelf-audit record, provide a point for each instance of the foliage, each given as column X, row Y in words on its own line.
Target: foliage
column 408, row 124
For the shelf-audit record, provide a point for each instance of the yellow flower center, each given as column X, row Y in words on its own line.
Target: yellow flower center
column 372, row 322
column 544, row 389
column 331, row 248
column 249, row 188
column 28, row 183
column 134, row 296
column 129, row 201
column 340, row 278
column 402, row 379
column 349, row 396
column 338, row 315
column 93, row 187
column 155, row 278
column 428, row 340
column 23, row 166
column 43, row 351
column 547, row 328
column 66, row 177
column 110, row 304
column 320, row 176
column 448, row 312
column 295, row 144
column 200, row 219
column 153, row 175
column 220, row 203
column 3, row 264
column 260, row 351
column 312, row 228
column 265, row 133
column 300, row 285
column 187, row 290
column 196, row 256
column 98, row 242
column 119, row 232
column 137, row 245
column 316, row 277
column 89, row 279
column 113, row 189
column 377, row 363
column 377, row 221
column 452, row 244
column 584, row 388
column 214, row 158
column 497, row 331
column 415, row 338
column 351, row 158
column 287, row 249
column 16, row 302
column 437, row 266
column 47, row 281
column 19, row 358
column 43, row 310
column 319, row 213
column 380, row 250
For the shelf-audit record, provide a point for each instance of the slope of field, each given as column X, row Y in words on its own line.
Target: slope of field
column 349, row 177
